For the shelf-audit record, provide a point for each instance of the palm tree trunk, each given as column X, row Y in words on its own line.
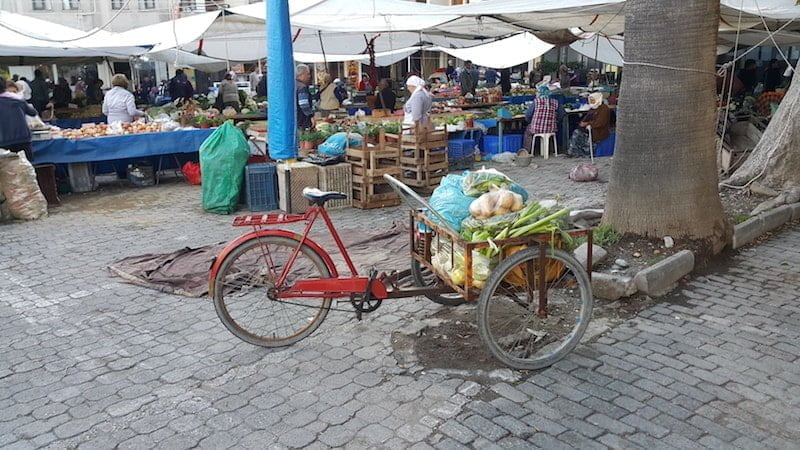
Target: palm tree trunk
column 664, row 178
column 775, row 161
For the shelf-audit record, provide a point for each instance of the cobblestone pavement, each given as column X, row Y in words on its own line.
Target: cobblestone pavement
column 91, row 362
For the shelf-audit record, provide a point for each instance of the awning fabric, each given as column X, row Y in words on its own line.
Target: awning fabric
column 497, row 55
column 23, row 36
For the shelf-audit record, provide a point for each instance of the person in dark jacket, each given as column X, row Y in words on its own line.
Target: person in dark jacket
column 305, row 111
column 62, row 94
column 180, row 88
column 40, row 96
column 386, row 97
column 261, row 89
column 505, row 81
column 749, row 76
column 773, row 76
column 14, row 132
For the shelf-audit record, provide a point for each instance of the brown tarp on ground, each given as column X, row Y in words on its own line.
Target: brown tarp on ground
column 185, row 271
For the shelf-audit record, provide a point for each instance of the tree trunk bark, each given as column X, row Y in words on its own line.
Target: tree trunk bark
column 664, row 178
column 776, row 158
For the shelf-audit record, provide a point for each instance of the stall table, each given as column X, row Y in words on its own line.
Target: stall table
column 109, row 148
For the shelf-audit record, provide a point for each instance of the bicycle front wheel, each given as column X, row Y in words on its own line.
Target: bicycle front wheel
column 510, row 321
column 244, row 292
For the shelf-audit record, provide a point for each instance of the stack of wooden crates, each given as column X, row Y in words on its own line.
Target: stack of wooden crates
column 369, row 165
column 423, row 158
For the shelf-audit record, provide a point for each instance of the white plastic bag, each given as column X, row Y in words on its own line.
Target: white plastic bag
column 18, row 181
column 505, row 158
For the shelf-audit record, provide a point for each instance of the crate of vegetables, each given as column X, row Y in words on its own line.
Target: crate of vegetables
column 500, row 223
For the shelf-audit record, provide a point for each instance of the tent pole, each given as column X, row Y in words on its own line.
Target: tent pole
column 596, row 49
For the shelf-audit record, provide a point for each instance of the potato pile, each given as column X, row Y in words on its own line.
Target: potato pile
column 102, row 129
column 495, row 202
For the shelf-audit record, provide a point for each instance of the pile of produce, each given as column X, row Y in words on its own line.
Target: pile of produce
column 497, row 211
column 102, row 129
column 521, row 90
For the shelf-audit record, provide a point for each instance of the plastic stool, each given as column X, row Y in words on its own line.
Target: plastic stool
column 545, row 144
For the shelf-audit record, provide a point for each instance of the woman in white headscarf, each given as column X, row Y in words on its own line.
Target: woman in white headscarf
column 417, row 108
column 598, row 119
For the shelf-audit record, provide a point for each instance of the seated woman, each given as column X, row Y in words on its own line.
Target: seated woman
column 418, row 106
column 385, row 97
column 118, row 103
column 599, row 119
column 543, row 116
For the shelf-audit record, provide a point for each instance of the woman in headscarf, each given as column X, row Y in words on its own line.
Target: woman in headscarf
column 366, row 84
column 598, row 119
column 543, row 116
column 417, row 108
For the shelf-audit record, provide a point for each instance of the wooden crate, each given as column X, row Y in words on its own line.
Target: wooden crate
column 369, row 195
column 292, row 178
column 337, row 178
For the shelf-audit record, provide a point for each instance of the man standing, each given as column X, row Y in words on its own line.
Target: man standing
column 469, row 79
column 40, row 95
column 255, row 77
column 749, row 76
column 305, row 113
column 491, row 77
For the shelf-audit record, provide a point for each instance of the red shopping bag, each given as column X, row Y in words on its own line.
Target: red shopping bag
column 191, row 170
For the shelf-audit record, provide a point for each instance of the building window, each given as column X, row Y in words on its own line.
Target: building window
column 40, row 5
column 117, row 4
column 188, row 5
column 71, row 4
column 147, row 4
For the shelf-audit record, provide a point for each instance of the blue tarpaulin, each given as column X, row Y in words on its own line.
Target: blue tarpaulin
column 282, row 133
column 64, row 151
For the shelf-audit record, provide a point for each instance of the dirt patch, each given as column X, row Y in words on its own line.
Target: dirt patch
column 738, row 204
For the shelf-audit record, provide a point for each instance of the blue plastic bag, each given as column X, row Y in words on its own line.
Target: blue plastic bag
column 335, row 145
column 450, row 201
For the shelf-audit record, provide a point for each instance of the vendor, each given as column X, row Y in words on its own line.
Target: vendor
column 119, row 104
column 543, row 116
column 366, row 84
column 597, row 122
column 328, row 101
column 386, row 97
column 229, row 93
column 62, row 94
column 418, row 106
column 15, row 135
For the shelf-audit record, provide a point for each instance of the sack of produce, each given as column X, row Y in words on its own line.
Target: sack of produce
column 584, row 172
column 191, row 170
column 223, row 156
column 480, row 182
column 450, row 201
column 336, row 144
column 23, row 198
column 496, row 202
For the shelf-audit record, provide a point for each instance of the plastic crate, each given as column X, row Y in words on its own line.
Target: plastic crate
column 490, row 145
column 337, row 178
column 488, row 123
column 460, row 148
column 81, row 177
column 261, row 187
column 512, row 142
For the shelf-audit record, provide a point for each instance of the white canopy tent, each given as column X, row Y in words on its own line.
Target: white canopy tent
column 496, row 54
column 23, row 36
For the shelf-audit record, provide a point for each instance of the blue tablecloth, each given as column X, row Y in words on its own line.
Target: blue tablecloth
column 518, row 99
column 65, row 151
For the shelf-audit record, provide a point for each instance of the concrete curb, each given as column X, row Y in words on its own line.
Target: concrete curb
column 754, row 227
column 610, row 286
column 659, row 278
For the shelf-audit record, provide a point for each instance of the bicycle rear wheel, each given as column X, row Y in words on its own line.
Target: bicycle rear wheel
column 508, row 309
column 244, row 294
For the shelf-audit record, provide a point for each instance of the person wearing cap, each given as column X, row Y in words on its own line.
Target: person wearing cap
column 598, row 120
column 119, row 104
column 543, row 116
column 385, row 96
column 417, row 109
column 339, row 90
column 327, row 96
column 229, row 93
